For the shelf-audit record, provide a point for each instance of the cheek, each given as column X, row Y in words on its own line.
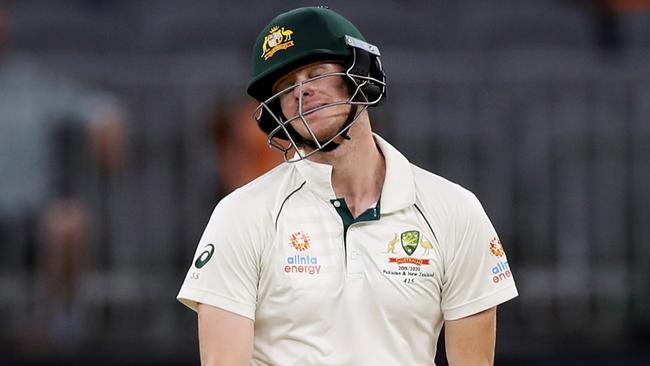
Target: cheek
column 288, row 106
column 343, row 90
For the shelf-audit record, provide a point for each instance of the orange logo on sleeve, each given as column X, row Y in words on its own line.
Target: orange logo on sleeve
column 496, row 249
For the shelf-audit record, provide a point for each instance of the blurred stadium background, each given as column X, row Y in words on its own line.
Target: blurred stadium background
column 542, row 108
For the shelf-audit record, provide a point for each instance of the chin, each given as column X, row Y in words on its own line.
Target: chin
column 323, row 128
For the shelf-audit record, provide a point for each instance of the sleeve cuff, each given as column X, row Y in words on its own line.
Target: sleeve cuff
column 191, row 297
column 482, row 303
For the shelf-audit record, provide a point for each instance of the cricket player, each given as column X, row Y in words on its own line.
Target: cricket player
column 346, row 254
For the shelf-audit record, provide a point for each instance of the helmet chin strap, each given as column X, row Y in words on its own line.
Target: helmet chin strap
column 331, row 146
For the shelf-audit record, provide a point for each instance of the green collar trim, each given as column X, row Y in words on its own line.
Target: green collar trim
column 373, row 213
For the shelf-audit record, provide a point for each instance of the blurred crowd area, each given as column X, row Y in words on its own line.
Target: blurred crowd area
column 122, row 123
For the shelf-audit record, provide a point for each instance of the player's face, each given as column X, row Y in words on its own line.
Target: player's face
column 325, row 123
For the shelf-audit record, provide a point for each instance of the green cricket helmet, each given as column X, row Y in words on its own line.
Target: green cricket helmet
column 300, row 37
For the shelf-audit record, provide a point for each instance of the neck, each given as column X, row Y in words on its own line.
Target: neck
column 358, row 167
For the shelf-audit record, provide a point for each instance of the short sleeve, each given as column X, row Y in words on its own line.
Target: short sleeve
column 477, row 274
column 225, row 270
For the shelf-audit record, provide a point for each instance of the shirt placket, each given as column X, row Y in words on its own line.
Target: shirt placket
column 351, row 226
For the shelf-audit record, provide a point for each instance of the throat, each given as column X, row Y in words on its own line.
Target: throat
column 360, row 182
column 359, row 207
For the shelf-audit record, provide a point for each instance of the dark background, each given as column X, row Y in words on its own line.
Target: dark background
column 541, row 108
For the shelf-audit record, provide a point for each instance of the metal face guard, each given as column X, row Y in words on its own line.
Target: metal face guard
column 283, row 137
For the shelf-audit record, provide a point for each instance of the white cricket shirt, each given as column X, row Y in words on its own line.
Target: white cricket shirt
column 326, row 289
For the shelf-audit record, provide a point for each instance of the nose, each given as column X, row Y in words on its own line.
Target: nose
column 306, row 89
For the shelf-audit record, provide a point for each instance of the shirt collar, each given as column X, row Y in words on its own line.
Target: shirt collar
column 399, row 187
column 318, row 177
column 397, row 193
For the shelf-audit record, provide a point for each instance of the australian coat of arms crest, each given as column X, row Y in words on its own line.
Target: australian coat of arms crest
column 279, row 38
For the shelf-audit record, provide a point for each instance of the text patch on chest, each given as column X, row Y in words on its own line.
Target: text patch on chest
column 304, row 262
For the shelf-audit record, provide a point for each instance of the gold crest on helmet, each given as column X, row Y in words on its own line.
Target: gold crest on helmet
column 278, row 39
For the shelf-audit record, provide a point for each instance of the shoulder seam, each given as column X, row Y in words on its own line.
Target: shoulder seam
column 427, row 221
column 285, row 200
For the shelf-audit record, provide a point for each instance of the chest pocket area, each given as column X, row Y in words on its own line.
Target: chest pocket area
column 406, row 261
column 307, row 268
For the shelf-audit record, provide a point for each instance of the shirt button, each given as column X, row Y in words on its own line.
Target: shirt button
column 337, row 204
column 354, row 254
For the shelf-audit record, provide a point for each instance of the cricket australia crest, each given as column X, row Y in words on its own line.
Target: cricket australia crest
column 410, row 240
column 406, row 268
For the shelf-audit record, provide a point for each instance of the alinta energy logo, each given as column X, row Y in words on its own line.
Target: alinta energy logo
column 501, row 271
column 299, row 263
column 300, row 241
column 496, row 249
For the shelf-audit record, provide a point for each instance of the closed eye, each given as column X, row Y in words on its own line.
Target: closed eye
column 281, row 86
